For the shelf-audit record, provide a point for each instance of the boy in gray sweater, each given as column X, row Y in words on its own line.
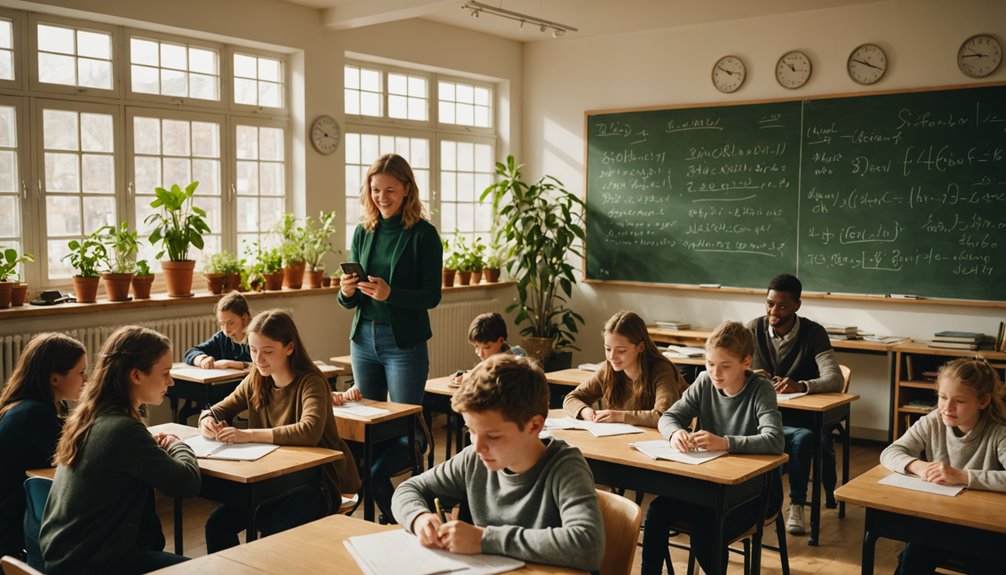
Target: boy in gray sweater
column 738, row 413
column 530, row 499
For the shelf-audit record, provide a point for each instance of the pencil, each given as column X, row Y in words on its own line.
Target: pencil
column 440, row 510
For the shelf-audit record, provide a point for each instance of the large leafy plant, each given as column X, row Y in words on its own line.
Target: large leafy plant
column 179, row 224
column 317, row 239
column 541, row 223
column 124, row 244
column 87, row 255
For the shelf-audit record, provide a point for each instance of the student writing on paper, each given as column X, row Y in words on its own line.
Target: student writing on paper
column 487, row 334
column 100, row 515
column 228, row 348
column 52, row 370
column 531, row 499
column 739, row 414
column 964, row 440
column 796, row 354
column 288, row 403
column 635, row 385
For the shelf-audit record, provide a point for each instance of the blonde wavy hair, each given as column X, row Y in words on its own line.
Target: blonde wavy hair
column 412, row 208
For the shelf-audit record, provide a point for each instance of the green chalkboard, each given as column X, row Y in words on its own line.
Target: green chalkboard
column 896, row 193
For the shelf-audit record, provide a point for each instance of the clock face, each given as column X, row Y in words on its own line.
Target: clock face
column 326, row 134
column 867, row 64
column 793, row 70
column 728, row 74
column 979, row 56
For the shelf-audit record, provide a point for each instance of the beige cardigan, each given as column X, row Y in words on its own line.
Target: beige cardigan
column 667, row 380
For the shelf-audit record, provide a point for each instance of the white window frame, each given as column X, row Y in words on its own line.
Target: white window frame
column 468, row 138
column 27, row 199
column 17, row 20
column 224, row 68
column 261, row 122
column 36, row 86
column 284, row 73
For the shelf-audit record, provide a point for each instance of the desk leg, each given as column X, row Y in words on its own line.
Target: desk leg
column 417, row 463
column 179, row 547
column 251, row 533
column 368, row 488
column 815, row 495
column 869, row 543
column 756, row 539
column 428, row 418
column 449, row 422
column 718, row 558
column 845, row 458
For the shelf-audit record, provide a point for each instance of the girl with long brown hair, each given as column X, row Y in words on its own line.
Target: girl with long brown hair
column 51, row 370
column 635, row 385
column 100, row 516
column 288, row 403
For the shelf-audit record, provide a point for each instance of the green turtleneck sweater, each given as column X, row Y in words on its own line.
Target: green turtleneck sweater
column 386, row 238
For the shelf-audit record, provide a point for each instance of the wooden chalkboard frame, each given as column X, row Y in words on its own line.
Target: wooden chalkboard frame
column 754, row 291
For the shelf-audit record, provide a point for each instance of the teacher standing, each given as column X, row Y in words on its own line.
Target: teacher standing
column 403, row 258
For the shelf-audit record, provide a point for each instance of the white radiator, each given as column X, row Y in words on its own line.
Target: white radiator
column 184, row 332
column 449, row 348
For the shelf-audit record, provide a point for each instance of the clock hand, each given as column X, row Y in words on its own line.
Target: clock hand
column 725, row 70
column 865, row 63
column 975, row 55
column 791, row 67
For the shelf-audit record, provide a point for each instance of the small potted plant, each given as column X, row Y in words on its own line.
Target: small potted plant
column 494, row 262
column 317, row 243
column 178, row 225
column 86, row 256
column 292, row 252
column 450, row 264
column 232, row 270
column 142, row 280
column 478, row 252
column 267, row 271
column 12, row 292
column 120, row 266
column 213, row 270
column 465, row 261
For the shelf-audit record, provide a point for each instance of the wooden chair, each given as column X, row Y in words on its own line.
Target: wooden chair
column 11, row 566
column 622, row 518
column 745, row 539
column 829, row 493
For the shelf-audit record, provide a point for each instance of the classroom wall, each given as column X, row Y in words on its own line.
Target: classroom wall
column 672, row 66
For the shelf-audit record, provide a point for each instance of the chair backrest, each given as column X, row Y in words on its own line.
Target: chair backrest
column 846, row 377
column 12, row 566
column 622, row 518
column 36, row 491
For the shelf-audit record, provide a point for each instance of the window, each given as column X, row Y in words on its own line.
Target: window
column 258, row 81
column 174, row 69
column 10, row 178
column 454, row 151
column 74, row 57
column 261, row 181
column 6, row 49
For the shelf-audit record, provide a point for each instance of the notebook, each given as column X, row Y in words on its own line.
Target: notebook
column 918, row 484
column 661, row 449
column 400, row 553
column 358, row 409
column 598, row 429
column 212, row 449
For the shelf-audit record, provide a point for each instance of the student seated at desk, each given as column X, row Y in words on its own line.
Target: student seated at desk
column 488, row 336
column 738, row 413
column 52, row 370
column 964, row 440
column 635, row 385
column 228, row 348
column 288, row 403
column 796, row 354
column 100, row 515
column 531, row 499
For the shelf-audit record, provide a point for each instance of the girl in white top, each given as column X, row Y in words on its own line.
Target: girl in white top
column 964, row 440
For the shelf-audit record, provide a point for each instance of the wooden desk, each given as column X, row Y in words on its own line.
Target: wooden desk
column 564, row 381
column 198, row 391
column 315, row 547
column 819, row 412
column 249, row 484
column 344, row 362
column 721, row 484
column 437, row 399
column 973, row 522
column 369, row 431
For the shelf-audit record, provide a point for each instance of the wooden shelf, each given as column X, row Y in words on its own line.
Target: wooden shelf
column 920, row 385
column 913, row 409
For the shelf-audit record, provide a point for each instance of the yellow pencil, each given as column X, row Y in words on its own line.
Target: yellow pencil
column 440, row 510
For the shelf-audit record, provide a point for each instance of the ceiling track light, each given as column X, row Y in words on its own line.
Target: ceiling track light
column 542, row 24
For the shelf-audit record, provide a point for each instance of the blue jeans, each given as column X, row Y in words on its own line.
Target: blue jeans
column 380, row 369
column 226, row 521
column 801, row 457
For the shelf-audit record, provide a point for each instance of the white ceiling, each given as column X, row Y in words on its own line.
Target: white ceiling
column 590, row 17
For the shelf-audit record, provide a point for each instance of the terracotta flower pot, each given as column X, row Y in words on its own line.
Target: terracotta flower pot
column 232, row 281
column 274, row 281
column 449, row 277
column 5, row 294
column 492, row 275
column 293, row 275
column 178, row 276
column 477, row 277
column 141, row 286
column 117, row 286
column 327, row 281
column 215, row 283
column 315, row 278
column 86, row 289
column 18, row 294
column 464, row 278
column 538, row 347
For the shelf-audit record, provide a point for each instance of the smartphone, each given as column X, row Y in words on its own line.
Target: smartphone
column 354, row 268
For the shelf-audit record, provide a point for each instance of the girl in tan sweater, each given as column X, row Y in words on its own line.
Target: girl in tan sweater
column 635, row 385
column 288, row 403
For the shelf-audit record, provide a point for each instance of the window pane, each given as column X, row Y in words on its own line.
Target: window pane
column 466, row 187
column 248, row 214
column 466, row 114
column 176, row 171
column 417, row 109
column 207, row 173
column 143, row 52
column 351, row 77
column 206, row 139
column 271, row 143
column 269, row 95
column 94, row 73
column 448, row 155
column 55, row 69
column 60, row 130
column 175, row 140
column 62, row 214
column 447, row 91
column 96, row 133
column 448, row 187
column 147, row 174
column 173, row 56
column 269, row 70
column 247, row 142
column 272, row 209
column 481, row 96
column 61, row 173
column 6, row 65
column 98, row 212
column 53, row 39
column 174, row 83
column 370, row 80
column 482, row 117
column 244, row 66
column 94, row 45
column 247, row 183
column 58, row 267
column 8, row 126
column 145, row 80
column 419, row 155
column 203, row 87
column 8, row 173
column 352, row 102
column 352, row 143
column 417, row 86
column 245, row 91
column 98, row 174
column 6, row 34
column 447, row 112
column 397, row 107
column 466, row 156
column 8, row 216
column 397, row 84
column 271, row 179
column 202, row 61
column 370, row 104
column 147, row 135
column 465, row 93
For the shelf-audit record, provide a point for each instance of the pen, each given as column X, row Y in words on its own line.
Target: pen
column 440, row 510
column 213, row 413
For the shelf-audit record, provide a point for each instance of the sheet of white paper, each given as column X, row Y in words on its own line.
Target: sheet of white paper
column 213, row 449
column 785, row 396
column 607, row 429
column 553, row 423
column 199, row 373
column 359, row 410
column 589, row 366
column 398, row 552
column 686, row 351
column 916, row 484
column 661, row 449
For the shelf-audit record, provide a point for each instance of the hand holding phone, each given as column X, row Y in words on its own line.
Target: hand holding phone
column 350, row 268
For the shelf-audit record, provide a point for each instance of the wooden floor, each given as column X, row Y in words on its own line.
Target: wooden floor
column 838, row 553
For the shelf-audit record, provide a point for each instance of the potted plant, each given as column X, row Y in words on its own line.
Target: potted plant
column 292, row 252
column 231, row 266
column 142, row 280
column 214, row 270
column 12, row 292
column 317, row 243
column 178, row 225
column 267, row 271
column 450, row 263
column 124, row 245
column 465, row 261
column 86, row 256
column 478, row 254
column 542, row 222
column 494, row 262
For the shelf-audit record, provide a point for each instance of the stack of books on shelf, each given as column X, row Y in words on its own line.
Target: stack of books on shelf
column 673, row 324
column 958, row 340
column 1001, row 337
column 843, row 332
